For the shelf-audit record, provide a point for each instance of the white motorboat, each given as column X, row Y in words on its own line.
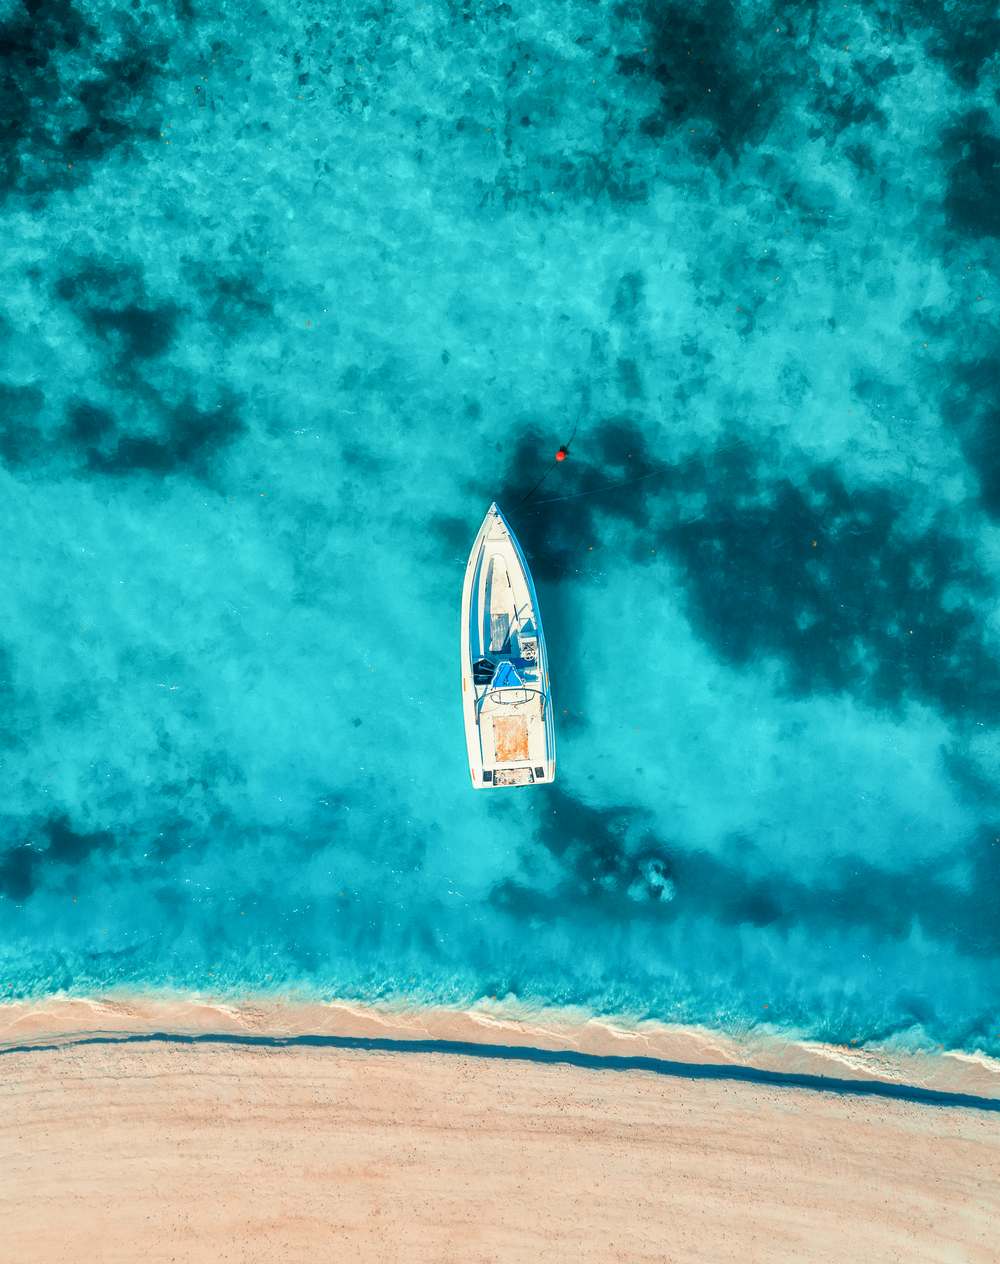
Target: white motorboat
column 509, row 722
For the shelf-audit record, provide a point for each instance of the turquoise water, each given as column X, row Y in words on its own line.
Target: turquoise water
column 290, row 293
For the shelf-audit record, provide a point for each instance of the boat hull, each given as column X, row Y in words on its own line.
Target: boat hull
column 506, row 695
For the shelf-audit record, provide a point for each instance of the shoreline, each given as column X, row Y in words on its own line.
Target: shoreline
column 210, row 1151
column 205, row 1129
column 62, row 1020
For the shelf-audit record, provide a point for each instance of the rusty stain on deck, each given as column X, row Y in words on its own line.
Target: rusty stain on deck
column 510, row 734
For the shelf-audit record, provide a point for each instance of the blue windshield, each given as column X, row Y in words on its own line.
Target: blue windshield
column 506, row 678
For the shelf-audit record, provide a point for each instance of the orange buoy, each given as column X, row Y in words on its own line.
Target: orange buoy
column 562, row 454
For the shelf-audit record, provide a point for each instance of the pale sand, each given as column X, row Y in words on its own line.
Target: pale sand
column 153, row 1151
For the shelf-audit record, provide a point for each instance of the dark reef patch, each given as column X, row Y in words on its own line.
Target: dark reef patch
column 603, row 855
column 186, row 441
column 707, row 66
column 111, row 301
column 962, row 37
column 230, row 301
column 237, row 298
column 182, row 438
column 54, row 843
column 452, row 532
column 972, row 203
column 87, row 424
column 610, row 860
column 616, row 477
column 826, row 579
column 844, row 103
column 971, row 779
column 71, row 91
column 829, row 580
column 982, row 449
column 364, row 458
column 591, row 176
column 970, row 404
column 629, row 378
column 145, row 425
column 630, row 294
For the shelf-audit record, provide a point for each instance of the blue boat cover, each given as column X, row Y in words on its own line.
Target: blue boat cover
column 506, row 678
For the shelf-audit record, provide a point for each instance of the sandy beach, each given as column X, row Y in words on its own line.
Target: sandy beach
column 213, row 1151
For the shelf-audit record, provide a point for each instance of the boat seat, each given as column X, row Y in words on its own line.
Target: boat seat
column 499, row 632
column 482, row 671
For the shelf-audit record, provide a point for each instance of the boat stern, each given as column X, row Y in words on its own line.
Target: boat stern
column 513, row 775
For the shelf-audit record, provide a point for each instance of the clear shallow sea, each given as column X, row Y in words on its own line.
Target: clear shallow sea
column 288, row 294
